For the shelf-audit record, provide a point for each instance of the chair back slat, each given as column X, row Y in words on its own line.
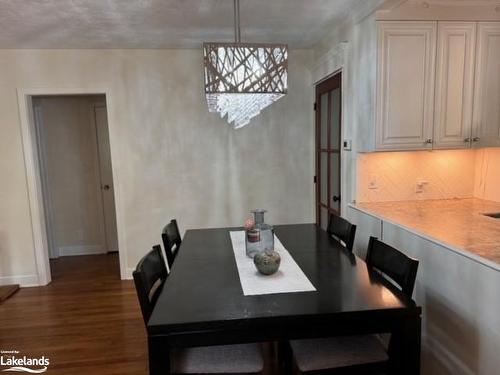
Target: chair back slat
column 393, row 264
column 342, row 230
column 149, row 277
column 171, row 241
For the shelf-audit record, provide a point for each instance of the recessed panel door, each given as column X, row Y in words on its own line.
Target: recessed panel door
column 328, row 154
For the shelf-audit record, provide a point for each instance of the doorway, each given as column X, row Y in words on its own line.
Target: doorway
column 328, row 148
column 77, row 187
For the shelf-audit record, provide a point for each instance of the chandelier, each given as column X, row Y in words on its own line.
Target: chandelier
column 241, row 79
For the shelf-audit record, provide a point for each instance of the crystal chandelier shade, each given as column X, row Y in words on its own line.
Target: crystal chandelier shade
column 241, row 79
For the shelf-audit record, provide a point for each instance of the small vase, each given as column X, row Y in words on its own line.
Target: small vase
column 260, row 236
column 267, row 262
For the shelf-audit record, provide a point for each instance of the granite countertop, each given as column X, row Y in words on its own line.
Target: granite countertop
column 457, row 223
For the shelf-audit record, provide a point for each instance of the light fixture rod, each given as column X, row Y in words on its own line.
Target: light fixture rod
column 237, row 31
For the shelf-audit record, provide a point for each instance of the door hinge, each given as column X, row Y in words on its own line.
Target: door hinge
column 315, row 106
column 315, row 179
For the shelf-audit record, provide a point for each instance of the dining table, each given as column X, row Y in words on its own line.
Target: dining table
column 202, row 301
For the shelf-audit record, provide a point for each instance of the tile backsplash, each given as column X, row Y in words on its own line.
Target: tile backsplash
column 440, row 174
column 487, row 181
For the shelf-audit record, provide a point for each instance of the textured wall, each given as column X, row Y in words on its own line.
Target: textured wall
column 171, row 158
column 357, row 41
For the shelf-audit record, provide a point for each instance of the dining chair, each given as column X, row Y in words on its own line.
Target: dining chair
column 342, row 230
column 171, row 241
column 149, row 277
column 242, row 359
column 361, row 354
column 393, row 264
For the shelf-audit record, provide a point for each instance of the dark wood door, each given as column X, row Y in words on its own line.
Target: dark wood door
column 328, row 141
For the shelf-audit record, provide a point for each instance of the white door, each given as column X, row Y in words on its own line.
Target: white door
column 486, row 119
column 454, row 84
column 105, row 169
column 405, row 99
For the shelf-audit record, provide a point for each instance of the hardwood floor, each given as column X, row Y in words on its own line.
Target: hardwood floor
column 87, row 321
column 7, row 291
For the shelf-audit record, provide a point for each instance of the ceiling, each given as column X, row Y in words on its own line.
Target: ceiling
column 165, row 23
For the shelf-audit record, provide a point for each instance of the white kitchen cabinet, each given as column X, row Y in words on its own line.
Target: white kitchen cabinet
column 405, row 85
column 438, row 85
column 486, row 117
column 454, row 84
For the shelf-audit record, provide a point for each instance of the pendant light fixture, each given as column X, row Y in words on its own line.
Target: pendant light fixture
column 241, row 79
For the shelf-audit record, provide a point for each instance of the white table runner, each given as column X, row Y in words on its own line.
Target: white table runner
column 289, row 277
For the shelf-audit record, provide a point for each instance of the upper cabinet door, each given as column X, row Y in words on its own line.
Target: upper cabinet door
column 486, row 118
column 405, row 87
column 454, row 84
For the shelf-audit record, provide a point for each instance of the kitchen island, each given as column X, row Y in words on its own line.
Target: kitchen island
column 458, row 279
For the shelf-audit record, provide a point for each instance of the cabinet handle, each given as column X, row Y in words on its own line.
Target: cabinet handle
column 475, row 139
column 428, row 141
column 467, row 140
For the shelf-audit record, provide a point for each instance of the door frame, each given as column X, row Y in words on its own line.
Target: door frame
column 33, row 176
column 46, row 194
column 326, row 85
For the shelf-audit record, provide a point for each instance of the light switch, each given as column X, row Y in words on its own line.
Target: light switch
column 346, row 144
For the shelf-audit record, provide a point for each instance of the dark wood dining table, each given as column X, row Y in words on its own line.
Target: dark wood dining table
column 202, row 302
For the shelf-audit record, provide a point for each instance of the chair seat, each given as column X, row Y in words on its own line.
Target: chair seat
column 337, row 352
column 226, row 359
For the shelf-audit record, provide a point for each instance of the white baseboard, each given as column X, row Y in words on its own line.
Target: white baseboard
column 80, row 250
column 22, row 280
column 128, row 274
column 32, row 280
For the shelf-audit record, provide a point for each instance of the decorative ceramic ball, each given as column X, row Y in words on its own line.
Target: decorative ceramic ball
column 267, row 262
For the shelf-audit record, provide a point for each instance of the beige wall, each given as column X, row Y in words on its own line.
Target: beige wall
column 69, row 148
column 171, row 158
